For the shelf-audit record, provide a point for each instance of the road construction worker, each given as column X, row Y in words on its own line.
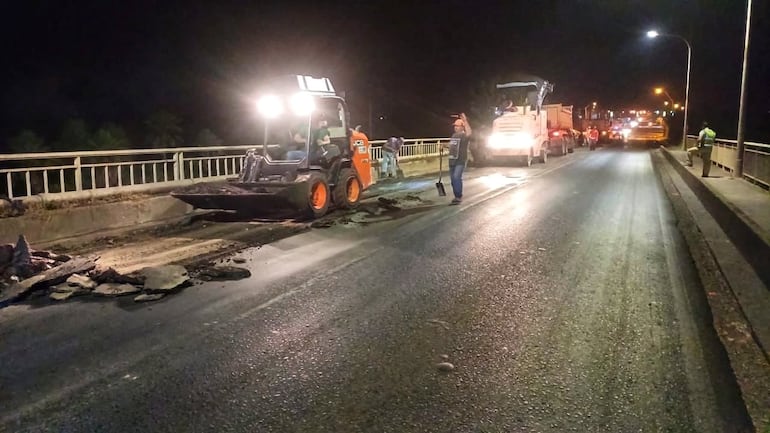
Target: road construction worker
column 297, row 142
column 593, row 138
column 389, row 164
column 706, row 139
column 458, row 156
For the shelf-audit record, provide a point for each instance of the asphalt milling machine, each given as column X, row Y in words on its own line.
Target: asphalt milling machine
column 311, row 160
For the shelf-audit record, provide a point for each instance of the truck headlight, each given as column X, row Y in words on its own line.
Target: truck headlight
column 516, row 141
column 496, row 141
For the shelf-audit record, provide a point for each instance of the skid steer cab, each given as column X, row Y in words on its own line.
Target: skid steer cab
column 310, row 161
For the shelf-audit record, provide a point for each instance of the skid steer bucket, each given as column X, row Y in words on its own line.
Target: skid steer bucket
column 250, row 198
column 307, row 195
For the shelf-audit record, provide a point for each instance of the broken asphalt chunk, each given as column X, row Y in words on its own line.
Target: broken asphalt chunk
column 6, row 255
column 116, row 289
column 81, row 281
column 164, row 278
column 144, row 297
column 224, row 273
column 47, row 278
column 22, row 260
column 110, row 275
column 61, row 296
column 388, row 203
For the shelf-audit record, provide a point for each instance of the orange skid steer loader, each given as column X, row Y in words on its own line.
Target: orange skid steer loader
column 310, row 161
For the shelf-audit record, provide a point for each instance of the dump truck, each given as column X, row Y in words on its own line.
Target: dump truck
column 561, row 139
column 520, row 130
column 310, row 160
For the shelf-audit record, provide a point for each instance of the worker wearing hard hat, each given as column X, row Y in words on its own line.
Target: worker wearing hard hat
column 458, row 156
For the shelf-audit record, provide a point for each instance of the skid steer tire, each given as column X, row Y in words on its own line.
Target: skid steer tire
column 347, row 192
column 315, row 197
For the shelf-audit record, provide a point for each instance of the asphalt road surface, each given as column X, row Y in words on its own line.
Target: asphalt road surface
column 562, row 295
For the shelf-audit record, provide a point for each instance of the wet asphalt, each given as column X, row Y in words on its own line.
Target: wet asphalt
column 563, row 296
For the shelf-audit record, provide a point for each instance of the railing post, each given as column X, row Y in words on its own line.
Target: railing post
column 28, row 181
column 78, row 174
column 176, row 165
column 179, row 165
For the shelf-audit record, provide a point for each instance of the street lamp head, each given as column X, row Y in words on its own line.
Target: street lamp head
column 658, row 90
column 594, row 104
column 653, row 34
column 665, row 102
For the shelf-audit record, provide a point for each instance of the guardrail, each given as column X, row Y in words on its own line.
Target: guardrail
column 756, row 159
column 74, row 175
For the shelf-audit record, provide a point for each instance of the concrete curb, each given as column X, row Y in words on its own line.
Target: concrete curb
column 749, row 239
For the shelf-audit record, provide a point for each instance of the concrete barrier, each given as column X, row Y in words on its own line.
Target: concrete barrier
column 417, row 167
column 45, row 226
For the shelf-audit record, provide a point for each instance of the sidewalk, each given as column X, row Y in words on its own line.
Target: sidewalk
column 741, row 208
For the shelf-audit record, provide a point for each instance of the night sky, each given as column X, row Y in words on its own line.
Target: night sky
column 415, row 62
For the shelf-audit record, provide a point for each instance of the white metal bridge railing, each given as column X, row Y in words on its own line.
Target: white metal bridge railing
column 756, row 159
column 73, row 175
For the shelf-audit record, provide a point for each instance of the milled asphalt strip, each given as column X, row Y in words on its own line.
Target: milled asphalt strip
column 64, row 392
column 702, row 396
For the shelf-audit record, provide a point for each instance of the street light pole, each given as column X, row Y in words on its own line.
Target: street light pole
column 686, row 93
column 741, row 117
column 654, row 34
column 585, row 110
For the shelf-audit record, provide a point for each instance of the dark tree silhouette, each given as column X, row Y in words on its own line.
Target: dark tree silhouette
column 164, row 130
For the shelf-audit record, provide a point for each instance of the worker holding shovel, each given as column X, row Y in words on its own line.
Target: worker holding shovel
column 458, row 156
column 389, row 164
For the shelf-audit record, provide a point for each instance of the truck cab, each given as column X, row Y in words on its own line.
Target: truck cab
column 520, row 130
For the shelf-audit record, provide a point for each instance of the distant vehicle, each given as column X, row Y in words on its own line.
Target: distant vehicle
column 645, row 129
column 520, row 130
column 561, row 137
column 291, row 170
column 616, row 136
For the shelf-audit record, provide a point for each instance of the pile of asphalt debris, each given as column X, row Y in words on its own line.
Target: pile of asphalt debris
column 372, row 211
column 25, row 273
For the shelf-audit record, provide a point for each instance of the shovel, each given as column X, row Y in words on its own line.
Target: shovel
column 439, row 185
column 399, row 171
